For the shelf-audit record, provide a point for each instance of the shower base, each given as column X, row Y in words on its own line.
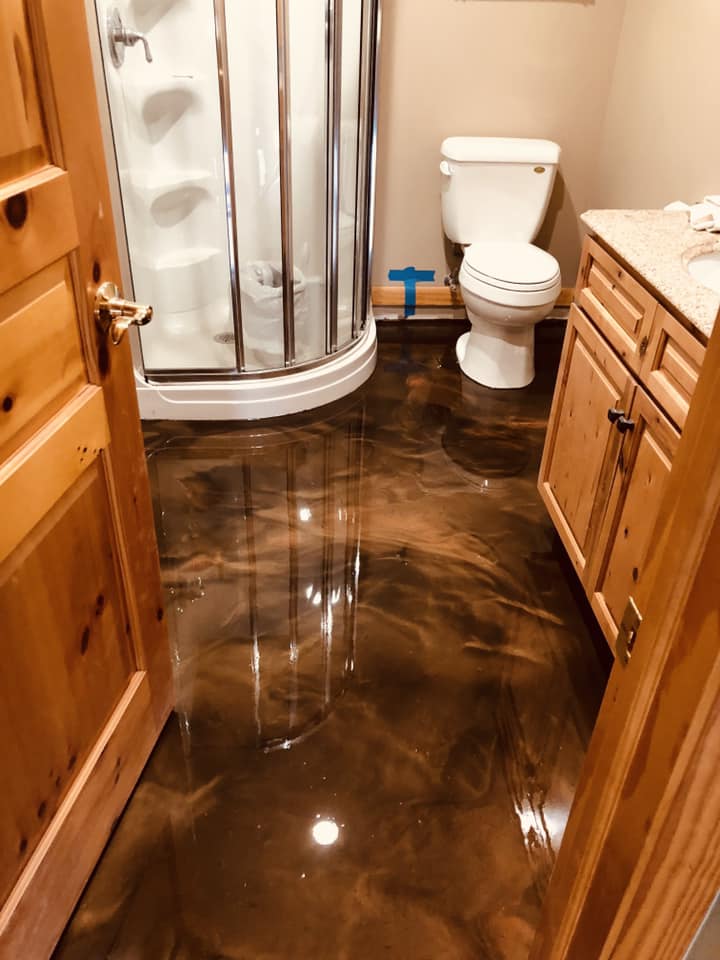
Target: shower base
column 259, row 397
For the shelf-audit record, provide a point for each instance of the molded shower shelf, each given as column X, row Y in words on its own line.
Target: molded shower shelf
column 141, row 92
column 152, row 185
column 182, row 280
column 161, row 102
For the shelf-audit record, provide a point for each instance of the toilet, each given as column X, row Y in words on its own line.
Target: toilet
column 495, row 194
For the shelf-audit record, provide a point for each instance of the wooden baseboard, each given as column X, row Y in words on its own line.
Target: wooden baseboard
column 436, row 296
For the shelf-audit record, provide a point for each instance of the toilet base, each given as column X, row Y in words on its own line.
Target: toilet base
column 501, row 357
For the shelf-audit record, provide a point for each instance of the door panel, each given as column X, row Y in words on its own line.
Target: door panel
column 69, row 659
column 22, row 136
column 86, row 681
column 581, row 444
column 38, row 225
column 41, row 357
column 637, row 492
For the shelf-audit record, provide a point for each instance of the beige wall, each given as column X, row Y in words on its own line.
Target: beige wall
column 529, row 68
column 662, row 133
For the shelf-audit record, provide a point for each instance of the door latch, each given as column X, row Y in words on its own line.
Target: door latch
column 114, row 315
column 627, row 634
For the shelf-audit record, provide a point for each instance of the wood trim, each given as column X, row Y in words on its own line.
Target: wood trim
column 426, row 296
column 436, row 296
column 49, row 464
column 635, row 877
column 33, row 918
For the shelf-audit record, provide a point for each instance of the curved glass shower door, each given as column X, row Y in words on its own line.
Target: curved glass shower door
column 243, row 138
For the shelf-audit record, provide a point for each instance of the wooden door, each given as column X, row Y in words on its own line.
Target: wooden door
column 85, row 678
column 639, row 864
column 640, row 481
column 582, row 446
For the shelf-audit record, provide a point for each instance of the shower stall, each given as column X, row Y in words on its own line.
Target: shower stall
column 243, row 136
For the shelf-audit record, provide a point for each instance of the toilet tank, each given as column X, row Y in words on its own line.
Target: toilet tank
column 496, row 188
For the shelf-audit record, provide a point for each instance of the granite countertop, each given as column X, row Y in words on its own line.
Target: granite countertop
column 658, row 244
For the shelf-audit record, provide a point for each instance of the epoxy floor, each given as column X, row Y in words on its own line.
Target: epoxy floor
column 385, row 684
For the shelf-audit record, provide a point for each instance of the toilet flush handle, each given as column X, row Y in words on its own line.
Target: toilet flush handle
column 445, row 168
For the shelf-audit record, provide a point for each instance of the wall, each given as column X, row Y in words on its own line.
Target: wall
column 528, row 68
column 662, row 136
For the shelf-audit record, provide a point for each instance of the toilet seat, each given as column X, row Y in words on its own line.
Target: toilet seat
column 511, row 266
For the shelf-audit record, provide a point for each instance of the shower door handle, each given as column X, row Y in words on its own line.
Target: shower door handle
column 114, row 315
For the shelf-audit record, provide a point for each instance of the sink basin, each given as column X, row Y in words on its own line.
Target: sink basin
column 705, row 268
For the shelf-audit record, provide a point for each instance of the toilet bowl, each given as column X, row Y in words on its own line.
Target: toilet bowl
column 495, row 194
column 507, row 288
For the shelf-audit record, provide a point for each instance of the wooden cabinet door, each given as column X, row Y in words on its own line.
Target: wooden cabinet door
column 85, row 678
column 638, row 487
column 622, row 308
column 582, row 445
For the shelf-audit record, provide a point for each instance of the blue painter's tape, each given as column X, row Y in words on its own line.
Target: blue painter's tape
column 411, row 277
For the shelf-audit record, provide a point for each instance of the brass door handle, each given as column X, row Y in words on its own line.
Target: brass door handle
column 114, row 315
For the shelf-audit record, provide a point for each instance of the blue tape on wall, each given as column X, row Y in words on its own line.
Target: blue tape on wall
column 411, row 277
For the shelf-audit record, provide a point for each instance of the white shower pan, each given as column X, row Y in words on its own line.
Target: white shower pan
column 259, row 397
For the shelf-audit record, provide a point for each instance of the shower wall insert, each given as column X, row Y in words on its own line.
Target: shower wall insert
column 242, row 136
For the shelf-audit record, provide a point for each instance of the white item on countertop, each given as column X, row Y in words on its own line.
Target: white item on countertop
column 703, row 216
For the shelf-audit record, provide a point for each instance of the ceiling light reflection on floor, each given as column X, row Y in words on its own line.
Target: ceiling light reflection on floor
column 325, row 832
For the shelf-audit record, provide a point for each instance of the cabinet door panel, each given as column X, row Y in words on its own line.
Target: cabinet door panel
column 620, row 306
column 635, row 498
column 672, row 365
column 582, row 446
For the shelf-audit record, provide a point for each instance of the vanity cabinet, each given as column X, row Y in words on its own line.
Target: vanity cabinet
column 627, row 374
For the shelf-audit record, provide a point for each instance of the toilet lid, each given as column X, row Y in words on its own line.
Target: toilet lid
column 514, row 266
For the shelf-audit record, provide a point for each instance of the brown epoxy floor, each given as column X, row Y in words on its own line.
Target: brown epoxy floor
column 372, row 626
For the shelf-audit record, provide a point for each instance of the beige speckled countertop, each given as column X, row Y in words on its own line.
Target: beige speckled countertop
column 657, row 245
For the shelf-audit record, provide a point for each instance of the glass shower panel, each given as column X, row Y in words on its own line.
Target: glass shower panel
column 166, row 125
column 253, row 77
column 349, row 129
column 308, row 73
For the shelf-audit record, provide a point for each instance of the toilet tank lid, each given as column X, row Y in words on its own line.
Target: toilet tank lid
column 499, row 150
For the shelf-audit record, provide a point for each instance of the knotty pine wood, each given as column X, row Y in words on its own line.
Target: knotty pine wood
column 61, row 30
column 41, row 356
column 640, row 861
column 671, row 366
column 49, row 464
column 638, row 487
column 23, row 146
column 61, row 596
column 582, row 445
column 622, row 308
column 76, row 508
column 89, row 810
column 37, row 225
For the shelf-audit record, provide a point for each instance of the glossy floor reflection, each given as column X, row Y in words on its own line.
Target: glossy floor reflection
column 385, row 685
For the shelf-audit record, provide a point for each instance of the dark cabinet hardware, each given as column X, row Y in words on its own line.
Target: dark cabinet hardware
column 624, row 425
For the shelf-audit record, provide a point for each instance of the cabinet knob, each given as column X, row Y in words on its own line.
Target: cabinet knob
column 624, row 425
column 614, row 415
